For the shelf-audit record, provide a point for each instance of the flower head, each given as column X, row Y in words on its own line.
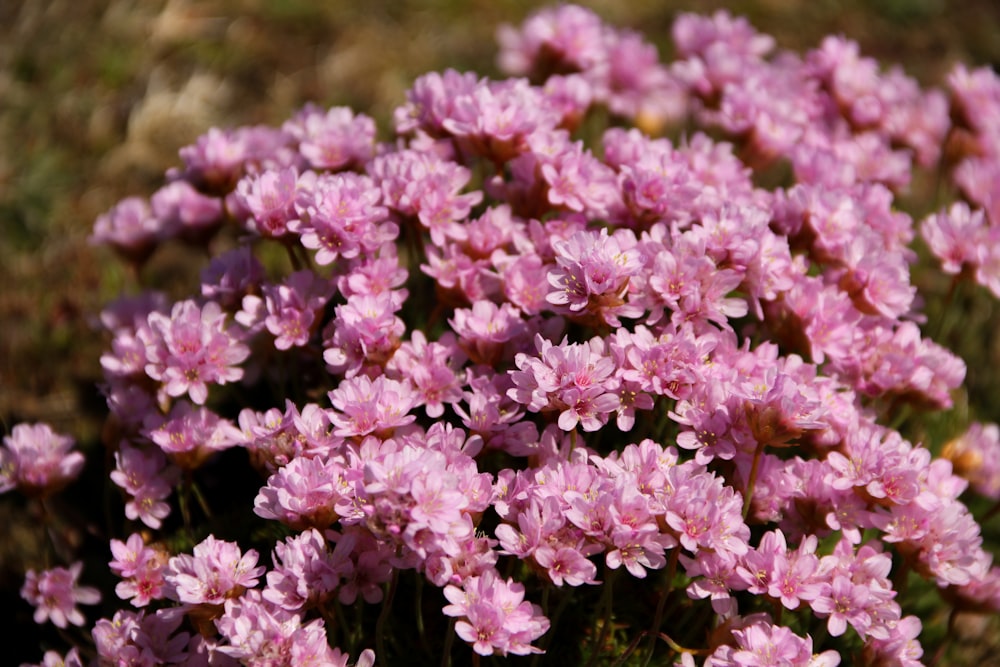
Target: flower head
column 37, row 461
column 55, row 594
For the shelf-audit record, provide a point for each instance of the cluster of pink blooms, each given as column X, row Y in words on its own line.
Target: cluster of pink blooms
column 507, row 361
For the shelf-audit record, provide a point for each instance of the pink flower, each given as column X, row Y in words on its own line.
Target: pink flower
column 305, row 492
column 192, row 348
column 141, row 568
column 365, row 333
column 130, row 228
column 485, row 330
column 333, row 139
column 592, row 275
column 495, row 618
column 575, row 379
column 230, row 276
column 954, row 236
column 365, row 406
column 340, row 215
column 37, row 461
column 270, row 199
column 432, row 368
column 902, row 646
column 762, row 644
column 975, row 456
column 306, row 570
column 55, row 594
column 216, row 571
column 256, row 629
column 53, row 659
column 186, row 212
column 289, row 311
column 218, row 158
column 147, row 479
column 421, row 185
column 565, row 37
column 189, row 434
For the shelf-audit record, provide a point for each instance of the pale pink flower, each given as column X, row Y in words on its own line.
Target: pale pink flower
column 55, row 594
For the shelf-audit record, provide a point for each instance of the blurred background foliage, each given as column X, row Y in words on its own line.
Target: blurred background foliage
column 96, row 97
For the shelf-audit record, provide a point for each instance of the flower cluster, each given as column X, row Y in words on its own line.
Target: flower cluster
column 490, row 356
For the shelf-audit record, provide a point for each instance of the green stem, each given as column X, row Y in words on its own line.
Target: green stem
column 383, row 616
column 754, row 469
column 939, row 653
column 820, row 635
column 654, row 629
column 47, row 533
column 990, row 513
column 630, row 649
column 900, row 578
column 564, row 599
column 419, row 603
column 607, row 598
column 202, row 502
column 449, row 639
column 182, row 502
column 330, row 619
column 293, row 258
column 945, row 323
column 677, row 648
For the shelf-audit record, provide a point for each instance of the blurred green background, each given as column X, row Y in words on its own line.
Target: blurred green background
column 97, row 96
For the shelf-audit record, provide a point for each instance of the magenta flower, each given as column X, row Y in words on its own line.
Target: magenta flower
column 55, row 594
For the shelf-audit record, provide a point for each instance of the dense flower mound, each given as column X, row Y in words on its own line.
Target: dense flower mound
column 530, row 376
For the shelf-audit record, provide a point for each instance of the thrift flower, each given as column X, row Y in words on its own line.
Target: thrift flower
column 55, row 594
column 215, row 571
column 37, row 461
column 192, row 348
